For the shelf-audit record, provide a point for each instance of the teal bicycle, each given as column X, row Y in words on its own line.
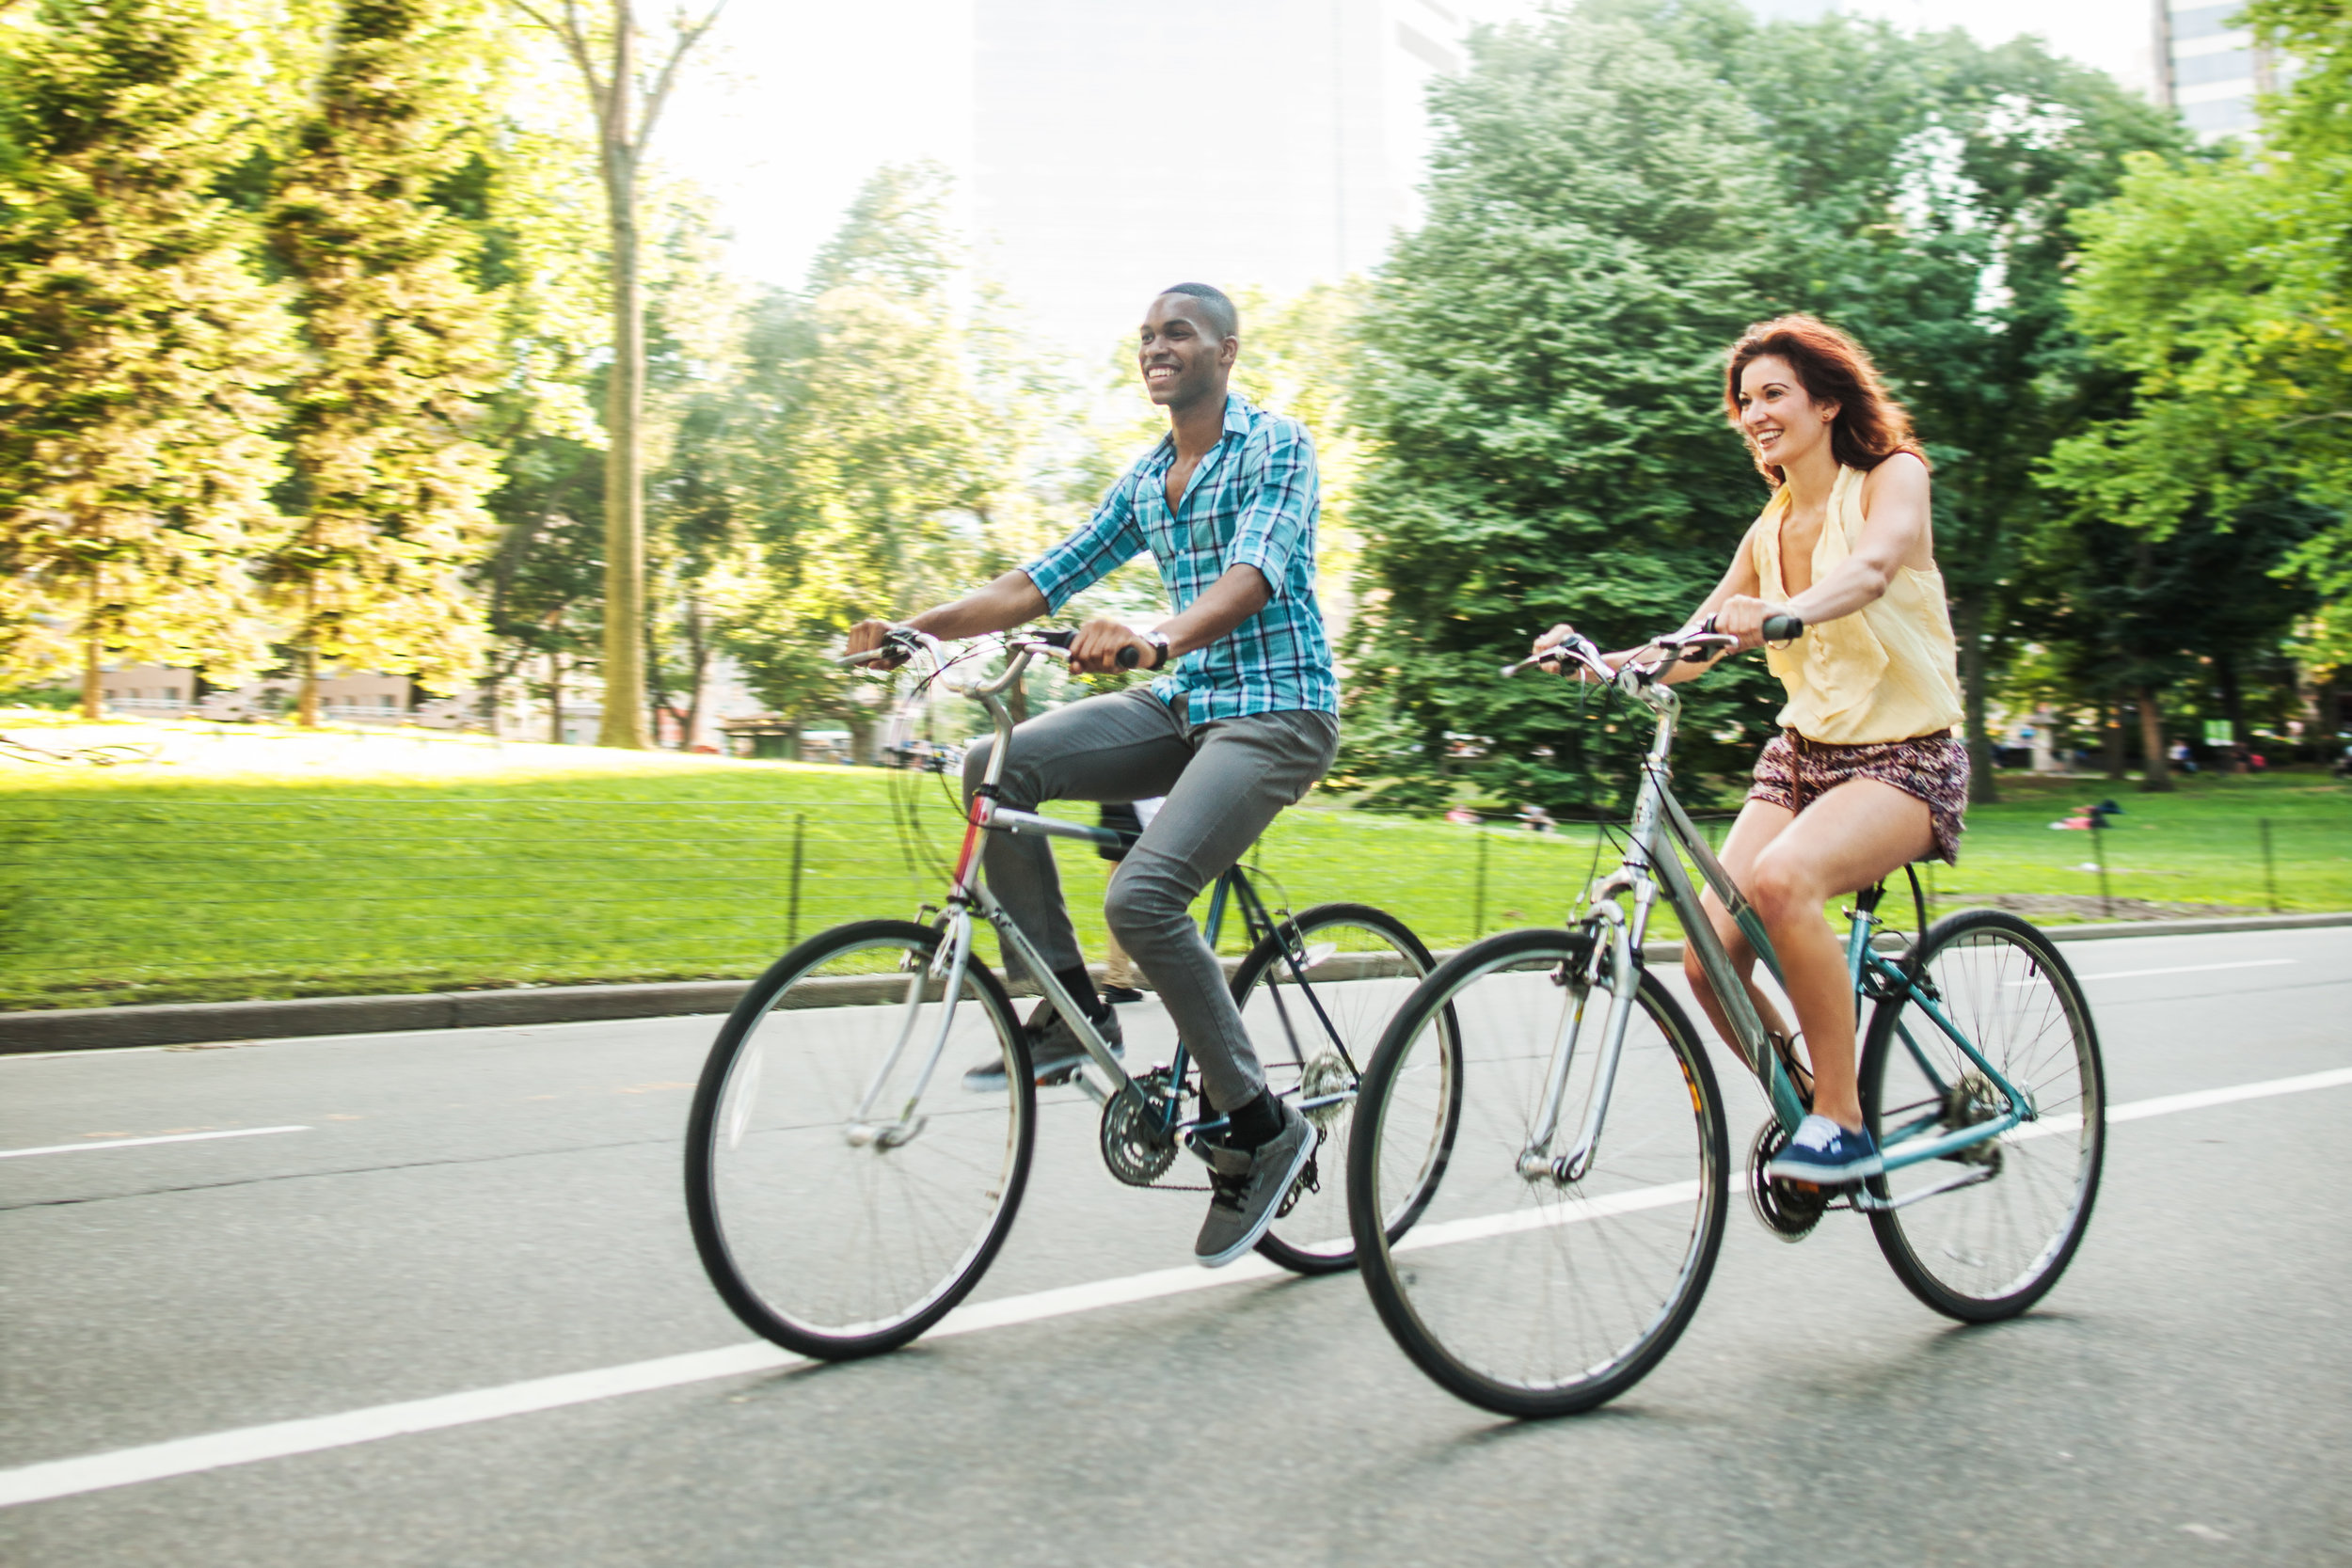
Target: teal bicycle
column 1569, row 1225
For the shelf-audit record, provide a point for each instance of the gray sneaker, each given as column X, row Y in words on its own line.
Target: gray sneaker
column 1248, row 1187
column 1054, row 1049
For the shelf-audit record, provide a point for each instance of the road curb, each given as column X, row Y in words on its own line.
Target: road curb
column 206, row 1022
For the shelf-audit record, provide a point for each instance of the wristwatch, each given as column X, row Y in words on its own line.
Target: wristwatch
column 1159, row 644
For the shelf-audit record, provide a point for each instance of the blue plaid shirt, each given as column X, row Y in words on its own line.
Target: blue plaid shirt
column 1252, row 501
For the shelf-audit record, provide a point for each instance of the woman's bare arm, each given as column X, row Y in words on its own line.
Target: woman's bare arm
column 1896, row 534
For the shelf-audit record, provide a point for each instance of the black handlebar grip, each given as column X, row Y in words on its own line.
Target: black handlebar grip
column 1782, row 628
column 1128, row 657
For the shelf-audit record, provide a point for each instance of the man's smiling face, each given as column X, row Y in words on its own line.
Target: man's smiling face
column 1180, row 353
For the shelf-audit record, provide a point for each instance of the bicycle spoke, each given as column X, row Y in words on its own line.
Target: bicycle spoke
column 1533, row 1296
column 828, row 1236
column 1990, row 1248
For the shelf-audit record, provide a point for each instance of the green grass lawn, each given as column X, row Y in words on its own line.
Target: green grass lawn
column 135, row 885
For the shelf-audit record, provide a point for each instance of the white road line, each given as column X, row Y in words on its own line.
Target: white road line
column 66, row 1478
column 2169, row 1105
column 133, row 1143
column 2172, row 1104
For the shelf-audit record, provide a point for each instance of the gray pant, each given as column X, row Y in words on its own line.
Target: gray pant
column 1224, row 780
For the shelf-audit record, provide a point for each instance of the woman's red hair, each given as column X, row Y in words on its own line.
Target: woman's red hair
column 1870, row 426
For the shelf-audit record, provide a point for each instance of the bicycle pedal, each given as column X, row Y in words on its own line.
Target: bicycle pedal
column 1309, row 1181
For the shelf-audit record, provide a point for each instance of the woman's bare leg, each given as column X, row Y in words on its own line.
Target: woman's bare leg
column 1758, row 824
column 1849, row 838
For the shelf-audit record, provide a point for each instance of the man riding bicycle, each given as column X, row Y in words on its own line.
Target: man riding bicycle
column 1241, row 722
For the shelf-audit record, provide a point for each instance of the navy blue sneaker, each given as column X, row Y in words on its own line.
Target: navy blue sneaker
column 1826, row 1155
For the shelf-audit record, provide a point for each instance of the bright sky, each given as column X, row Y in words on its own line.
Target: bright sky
column 800, row 101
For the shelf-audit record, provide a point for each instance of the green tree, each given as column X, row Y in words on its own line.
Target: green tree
column 541, row 584
column 868, row 456
column 1540, row 394
column 402, row 343
column 1926, row 185
column 1593, row 254
column 625, row 102
column 2217, row 288
column 137, row 344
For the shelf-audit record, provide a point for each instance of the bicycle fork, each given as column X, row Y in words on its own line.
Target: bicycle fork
column 1536, row 1161
column 947, row 965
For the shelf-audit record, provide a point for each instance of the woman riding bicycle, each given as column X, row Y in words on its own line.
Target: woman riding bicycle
column 1865, row 775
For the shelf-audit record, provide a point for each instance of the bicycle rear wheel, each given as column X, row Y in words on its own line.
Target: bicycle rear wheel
column 2017, row 1206
column 1360, row 964
column 1526, row 1295
column 834, row 1237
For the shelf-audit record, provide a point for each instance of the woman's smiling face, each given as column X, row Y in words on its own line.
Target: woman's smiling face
column 1778, row 416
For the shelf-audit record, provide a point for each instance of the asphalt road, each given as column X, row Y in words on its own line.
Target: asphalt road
column 466, row 1214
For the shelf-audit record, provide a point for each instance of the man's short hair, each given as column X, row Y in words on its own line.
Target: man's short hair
column 1223, row 316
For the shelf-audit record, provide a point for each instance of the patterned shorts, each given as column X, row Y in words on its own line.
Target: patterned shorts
column 1793, row 772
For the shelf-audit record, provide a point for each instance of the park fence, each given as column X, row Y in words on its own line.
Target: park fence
column 107, row 900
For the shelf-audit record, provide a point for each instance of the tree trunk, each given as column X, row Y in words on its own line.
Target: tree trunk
column 93, row 681
column 626, row 105
column 698, row 651
column 307, row 688
column 2157, row 776
column 555, row 698
column 2111, row 736
column 624, row 722
column 2329, row 702
column 2233, row 697
column 1981, row 789
column 306, row 693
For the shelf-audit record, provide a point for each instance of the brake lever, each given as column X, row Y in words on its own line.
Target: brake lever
column 1576, row 646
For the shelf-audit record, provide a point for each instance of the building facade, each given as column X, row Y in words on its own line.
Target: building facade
column 2209, row 70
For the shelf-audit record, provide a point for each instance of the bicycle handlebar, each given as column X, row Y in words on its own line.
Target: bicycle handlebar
column 1690, row 646
column 1128, row 659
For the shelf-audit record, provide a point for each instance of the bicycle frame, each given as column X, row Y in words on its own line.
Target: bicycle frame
column 969, row 895
column 1651, row 868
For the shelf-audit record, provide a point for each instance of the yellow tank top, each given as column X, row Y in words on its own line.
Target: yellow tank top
column 1889, row 672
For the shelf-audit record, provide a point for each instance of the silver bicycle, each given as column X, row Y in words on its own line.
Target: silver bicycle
column 1566, row 1242
column 846, row 1188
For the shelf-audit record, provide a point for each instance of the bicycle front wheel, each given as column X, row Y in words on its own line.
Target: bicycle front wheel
column 1982, row 1233
column 836, row 1213
column 1313, row 1038
column 1525, row 1295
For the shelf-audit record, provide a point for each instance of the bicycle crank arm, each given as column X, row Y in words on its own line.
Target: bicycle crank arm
column 1864, row 1204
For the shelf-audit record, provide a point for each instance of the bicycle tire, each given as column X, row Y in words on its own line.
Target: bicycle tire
column 2003, row 1240
column 1494, row 1245
column 828, row 1246
column 1371, row 963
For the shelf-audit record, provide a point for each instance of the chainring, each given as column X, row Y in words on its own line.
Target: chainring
column 1135, row 1145
column 1790, row 1210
